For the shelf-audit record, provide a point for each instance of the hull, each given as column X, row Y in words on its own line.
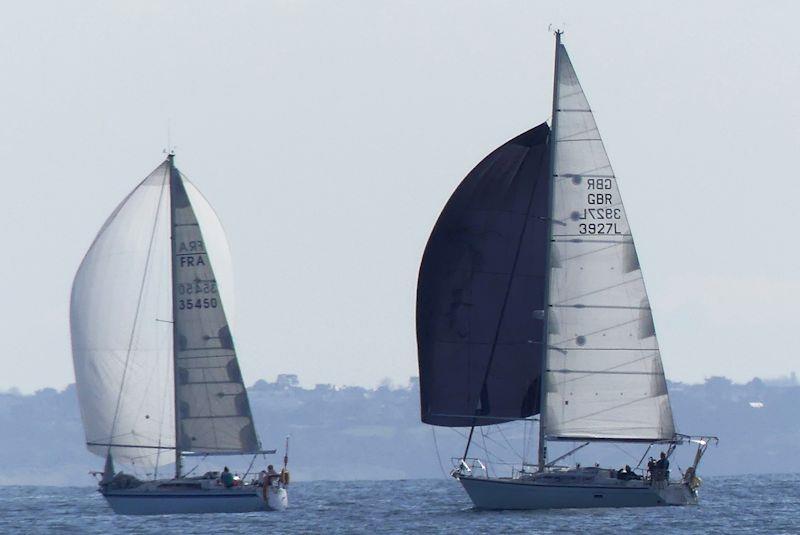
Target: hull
column 164, row 502
column 502, row 493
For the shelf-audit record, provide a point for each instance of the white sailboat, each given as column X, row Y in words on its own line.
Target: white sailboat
column 156, row 370
column 531, row 300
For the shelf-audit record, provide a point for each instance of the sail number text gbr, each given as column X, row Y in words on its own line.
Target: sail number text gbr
column 601, row 213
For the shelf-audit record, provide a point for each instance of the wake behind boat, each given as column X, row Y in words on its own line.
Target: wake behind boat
column 156, row 369
column 531, row 301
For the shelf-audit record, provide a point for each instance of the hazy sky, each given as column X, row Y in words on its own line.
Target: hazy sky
column 328, row 135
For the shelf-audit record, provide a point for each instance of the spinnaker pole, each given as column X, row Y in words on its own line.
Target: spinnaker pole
column 469, row 441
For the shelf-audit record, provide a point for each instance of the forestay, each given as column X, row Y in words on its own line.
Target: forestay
column 604, row 374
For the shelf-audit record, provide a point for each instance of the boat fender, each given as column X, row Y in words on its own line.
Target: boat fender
column 284, row 477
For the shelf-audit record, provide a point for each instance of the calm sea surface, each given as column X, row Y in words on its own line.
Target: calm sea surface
column 748, row 504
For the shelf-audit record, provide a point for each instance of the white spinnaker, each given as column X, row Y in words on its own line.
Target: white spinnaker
column 604, row 374
column 120, row 319
column 122, row 354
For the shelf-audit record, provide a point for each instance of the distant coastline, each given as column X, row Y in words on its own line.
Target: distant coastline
column 351, row 432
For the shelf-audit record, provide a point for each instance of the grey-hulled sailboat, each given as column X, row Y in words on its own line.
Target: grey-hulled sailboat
column 156, row 369
column 531, row 301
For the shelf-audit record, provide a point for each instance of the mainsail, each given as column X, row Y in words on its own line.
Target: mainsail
column 211, row 400
column 121, row 319
column 481, row 282
column 604, row 375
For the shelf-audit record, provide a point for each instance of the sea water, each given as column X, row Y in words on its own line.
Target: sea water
column 742, row 504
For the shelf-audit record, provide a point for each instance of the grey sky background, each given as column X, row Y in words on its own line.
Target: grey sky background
column 328, row 135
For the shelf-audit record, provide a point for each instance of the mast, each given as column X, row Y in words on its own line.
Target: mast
column 545, row 323
column 173, row 176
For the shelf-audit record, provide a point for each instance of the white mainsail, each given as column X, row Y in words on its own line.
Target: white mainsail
column 121, row 323
column 604, row 374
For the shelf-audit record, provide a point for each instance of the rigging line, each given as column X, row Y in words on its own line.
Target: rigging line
column 438, row 453
column 592, row 172
column 489, row 462
column 497, row 443
column 524, row 442
column 196, row 466
column 568, row 349
column 604, row 307
column 154, row 372
column 168, row 386
column 488, row 454
column 623, row 450
column 612, row 368
column 508, row 442
column 584, row 238
column 610, row 409
column 587, row 294
column 584, row 175
column 601, row 372
column 136, row 313
column 649, row 447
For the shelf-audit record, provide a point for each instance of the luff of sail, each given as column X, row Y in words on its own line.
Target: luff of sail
column 481, row 282
column 211, row 400
column 604, row 374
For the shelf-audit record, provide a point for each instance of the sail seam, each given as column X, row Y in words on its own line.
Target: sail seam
column 595, row 292
column 645, row 397
column 567, row 349
column 612, row 307
column 596, row 372
column 622, row 365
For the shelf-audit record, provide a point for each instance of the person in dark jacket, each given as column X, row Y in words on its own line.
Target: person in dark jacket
column 661, row 468
column 226, row 478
